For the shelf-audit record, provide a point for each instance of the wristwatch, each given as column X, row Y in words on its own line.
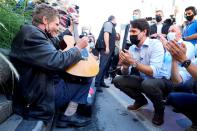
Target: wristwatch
column 186, row 63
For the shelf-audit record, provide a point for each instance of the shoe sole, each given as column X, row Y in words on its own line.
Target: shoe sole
column 99, row 90
column 158, row 125
column 63, row 124
column 105, row 86
column 138, row 108
column 79, row 124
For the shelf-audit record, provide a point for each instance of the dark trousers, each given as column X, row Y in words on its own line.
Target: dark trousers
column 103, row 66
column 186, row 103
column 114, row 62
column 154, row 89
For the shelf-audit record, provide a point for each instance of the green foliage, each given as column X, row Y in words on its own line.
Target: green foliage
column 11, row 18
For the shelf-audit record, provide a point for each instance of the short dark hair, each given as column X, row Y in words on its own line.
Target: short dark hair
column 42, row 10
column 141, row 24
column 111, row 17
column 137, row 10
column 192, row 8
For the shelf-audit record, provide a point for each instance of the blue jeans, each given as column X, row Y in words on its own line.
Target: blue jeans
column 186, row 103
column 67, row 91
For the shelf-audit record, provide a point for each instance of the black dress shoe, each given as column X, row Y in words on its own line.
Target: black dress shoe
column 104, row 85
column 158, row 119
column 61, row 124
column 74, row 120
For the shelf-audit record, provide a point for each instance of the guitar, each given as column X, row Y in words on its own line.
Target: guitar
column 87, row 67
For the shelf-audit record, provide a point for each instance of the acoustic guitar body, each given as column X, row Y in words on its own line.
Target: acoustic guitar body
column 87, row 67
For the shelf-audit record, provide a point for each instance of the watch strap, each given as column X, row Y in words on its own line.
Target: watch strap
column 186, row 63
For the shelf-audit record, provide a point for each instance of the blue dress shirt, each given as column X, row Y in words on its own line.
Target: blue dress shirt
column 150, row 53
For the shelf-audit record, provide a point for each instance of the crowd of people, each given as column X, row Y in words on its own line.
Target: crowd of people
column 156, row 61
column 160, row 64
column 152, row 66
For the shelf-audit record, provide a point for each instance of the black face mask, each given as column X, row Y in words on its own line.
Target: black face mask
column 189, row 18
column 134, row 39
column 158, row 18
column 48, row 34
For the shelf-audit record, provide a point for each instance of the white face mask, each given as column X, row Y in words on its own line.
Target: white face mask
column 171, row 36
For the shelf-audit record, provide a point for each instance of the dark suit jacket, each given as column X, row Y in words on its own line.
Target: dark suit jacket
column 37, row 60
column 164, row 30
column 126, row 33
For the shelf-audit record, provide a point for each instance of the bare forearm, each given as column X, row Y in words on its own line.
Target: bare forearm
column 191, row 37
column 106, row 39
column 175, row 76
column 145, row 69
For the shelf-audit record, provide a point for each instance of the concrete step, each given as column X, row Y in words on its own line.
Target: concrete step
column 17, row 123
column 27, row 125
column 11, row 123
column 5, row 108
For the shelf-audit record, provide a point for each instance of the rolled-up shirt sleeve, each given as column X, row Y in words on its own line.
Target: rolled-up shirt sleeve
column 156, row 58
column 108, row 27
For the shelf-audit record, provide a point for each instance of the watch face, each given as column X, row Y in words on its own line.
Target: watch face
column 186, row 63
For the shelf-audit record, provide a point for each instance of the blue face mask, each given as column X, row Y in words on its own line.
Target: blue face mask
column 135, row 17
column 91, row 45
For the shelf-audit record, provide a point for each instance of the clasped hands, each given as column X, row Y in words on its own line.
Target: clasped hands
column 177, row 50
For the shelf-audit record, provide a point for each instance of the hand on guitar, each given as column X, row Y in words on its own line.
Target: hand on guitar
column 87, row 67
column 82, row 43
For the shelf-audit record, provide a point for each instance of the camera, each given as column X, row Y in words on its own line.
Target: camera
column 171, row 20
column 91, row 39
column 68, row 20
column 149, row 18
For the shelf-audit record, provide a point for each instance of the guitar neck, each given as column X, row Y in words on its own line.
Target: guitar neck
column 75, row 31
